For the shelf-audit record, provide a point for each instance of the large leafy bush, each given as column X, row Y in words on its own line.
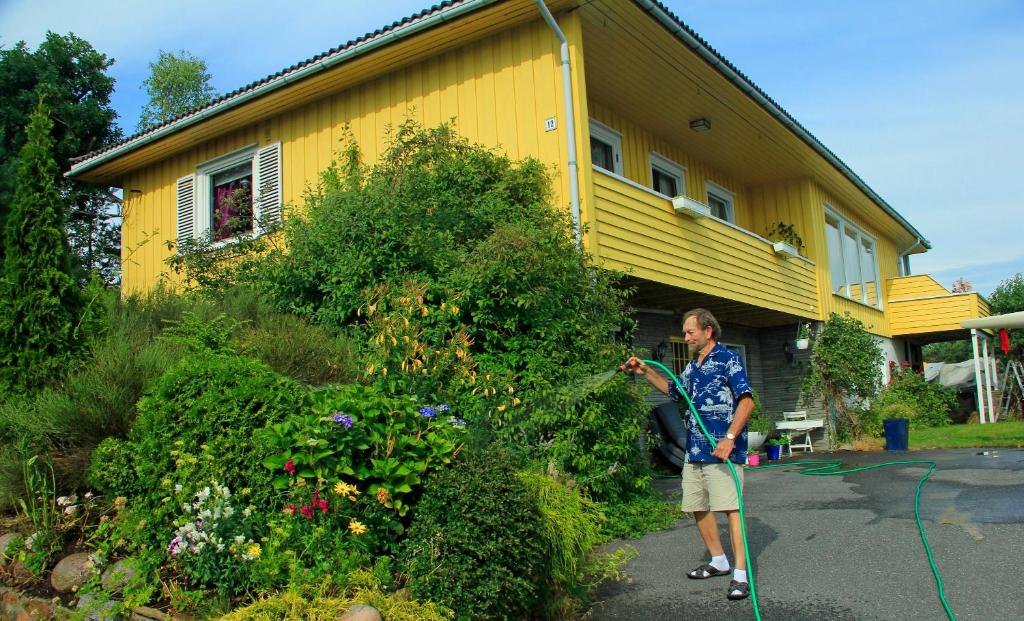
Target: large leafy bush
column 925, row 404
column 475, row 544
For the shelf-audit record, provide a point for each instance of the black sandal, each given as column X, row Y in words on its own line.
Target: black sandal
column 738, row 590
column 707, row 570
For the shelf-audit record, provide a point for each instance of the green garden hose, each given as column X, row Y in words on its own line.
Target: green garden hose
column 821, row 468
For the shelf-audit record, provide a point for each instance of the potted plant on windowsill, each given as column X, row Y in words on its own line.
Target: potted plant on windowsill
column 803, row 336
column 785, row 239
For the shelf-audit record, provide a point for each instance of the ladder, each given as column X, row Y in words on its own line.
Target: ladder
column 1012, row 390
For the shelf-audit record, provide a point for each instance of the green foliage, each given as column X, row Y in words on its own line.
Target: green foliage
column 200, row 423
column 951, row 351
column 759, row 420
column 475, row 543
column 641, row 514
column 908, row 395
column 593, row 439
column 845, row 366
column 365, row 588
column 570, row 528
column 782, row 231
column 1008, row 297
column 177, row 83
column 40, row 304
column 355, row 433
column 73, row 79
column 501, row 309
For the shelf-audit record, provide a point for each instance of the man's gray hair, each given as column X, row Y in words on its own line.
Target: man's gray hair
column 705, row 320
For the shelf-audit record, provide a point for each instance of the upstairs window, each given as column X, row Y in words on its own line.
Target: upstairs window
column 721, row 202
column 853, row 260
column 232, row 196
column 605, row 147
column 667, row 177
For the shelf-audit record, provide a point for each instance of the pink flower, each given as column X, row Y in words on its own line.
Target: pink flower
column 289, row 466
column 323, row 505
column 308, row 512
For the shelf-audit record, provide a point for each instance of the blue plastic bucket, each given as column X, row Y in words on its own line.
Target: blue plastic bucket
column 896, row 434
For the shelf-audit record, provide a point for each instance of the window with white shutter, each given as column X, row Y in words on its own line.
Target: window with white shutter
column 232, row 196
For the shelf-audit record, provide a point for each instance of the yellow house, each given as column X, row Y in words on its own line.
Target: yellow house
column 675, row 166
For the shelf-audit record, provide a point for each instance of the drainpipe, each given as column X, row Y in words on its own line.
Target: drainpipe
column 904, row 259
column 570, row 123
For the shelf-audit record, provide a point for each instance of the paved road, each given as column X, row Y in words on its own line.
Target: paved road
column 847, row 547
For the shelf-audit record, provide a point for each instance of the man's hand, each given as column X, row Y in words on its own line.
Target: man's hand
column 635, row 366
column 724, row 448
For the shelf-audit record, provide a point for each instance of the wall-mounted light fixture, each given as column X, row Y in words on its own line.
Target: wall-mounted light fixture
column 700, row 124
column 659, row 350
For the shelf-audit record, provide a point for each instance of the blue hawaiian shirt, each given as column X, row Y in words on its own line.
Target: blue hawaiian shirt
column 715, row 387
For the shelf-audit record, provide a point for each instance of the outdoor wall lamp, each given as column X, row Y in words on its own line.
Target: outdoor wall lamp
column 658, row 352
column 787, row 350
column 700, row 124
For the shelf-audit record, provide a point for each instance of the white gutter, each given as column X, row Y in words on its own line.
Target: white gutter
column 300, row 73
column 570, row 123
column 723, row 67
column 903, row 262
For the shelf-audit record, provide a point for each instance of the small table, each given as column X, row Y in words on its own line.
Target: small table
column 795, row 424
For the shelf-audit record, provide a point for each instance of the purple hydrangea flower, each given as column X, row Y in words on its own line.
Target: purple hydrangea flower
column 343, row 420
column 428, row 412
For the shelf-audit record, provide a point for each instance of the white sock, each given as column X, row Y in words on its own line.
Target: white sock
column 720, row 562
column 739, row 575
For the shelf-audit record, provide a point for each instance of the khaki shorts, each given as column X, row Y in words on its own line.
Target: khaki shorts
column 710, row 487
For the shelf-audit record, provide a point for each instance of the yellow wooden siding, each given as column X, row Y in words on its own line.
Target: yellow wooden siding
column 499, row 90
column 934, row 314
column 638, row 232
column 916, row 286
column 638, row 142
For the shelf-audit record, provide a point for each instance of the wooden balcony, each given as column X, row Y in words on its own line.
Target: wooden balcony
column 922, row 308
column 636, row 230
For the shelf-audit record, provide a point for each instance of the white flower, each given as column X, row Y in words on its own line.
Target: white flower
column 88, row 495
column 71, row 510
column 178, row 488
column 239, row 539
column 63, row 500
column 247, row 511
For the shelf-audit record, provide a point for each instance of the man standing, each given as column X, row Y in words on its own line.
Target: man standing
column 716, row 382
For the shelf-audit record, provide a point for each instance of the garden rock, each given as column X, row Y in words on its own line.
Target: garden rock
column 71, row 572
column 119, row 575
column 99, row 610
column 361, row 612
column 5, row 540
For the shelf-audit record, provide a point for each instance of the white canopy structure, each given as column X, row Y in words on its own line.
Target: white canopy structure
column 1009, row 321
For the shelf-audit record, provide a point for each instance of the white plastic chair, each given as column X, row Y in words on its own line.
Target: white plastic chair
column 805, row 442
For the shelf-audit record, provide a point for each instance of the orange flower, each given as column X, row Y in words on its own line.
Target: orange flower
column 356, row 527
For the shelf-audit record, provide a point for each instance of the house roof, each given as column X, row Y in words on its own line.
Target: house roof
column 448, row 10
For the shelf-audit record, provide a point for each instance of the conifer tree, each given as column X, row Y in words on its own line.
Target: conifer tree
column 39, row 299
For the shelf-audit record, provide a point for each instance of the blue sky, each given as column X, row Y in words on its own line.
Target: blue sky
column 924, row 99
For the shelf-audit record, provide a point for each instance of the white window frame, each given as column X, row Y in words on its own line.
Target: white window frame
column 610, row 137
column 860, row 236
column 729, row 198
column 668, row 168
column 204, row 188
column 194, row 200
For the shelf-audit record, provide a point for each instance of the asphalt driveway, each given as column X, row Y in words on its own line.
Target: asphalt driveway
column 848, row 547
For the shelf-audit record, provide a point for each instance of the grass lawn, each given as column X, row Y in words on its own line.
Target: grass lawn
column 1006, row 434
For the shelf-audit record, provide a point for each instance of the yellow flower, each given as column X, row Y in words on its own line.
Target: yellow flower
column 370, row 369
column 424, row 311
column 516, row 401
column 455, row 309
column 382, row 495
column 253, row 551
column 384, row 371
column 356, row 527
column 501, row 408
column 344, row 489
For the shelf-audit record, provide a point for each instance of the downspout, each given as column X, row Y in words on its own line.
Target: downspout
column 570, row 123
column 904, row 261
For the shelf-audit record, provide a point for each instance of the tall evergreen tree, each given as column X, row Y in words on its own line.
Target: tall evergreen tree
column 73, row 78
column 40, row 303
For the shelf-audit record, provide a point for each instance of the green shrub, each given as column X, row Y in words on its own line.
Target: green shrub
column 908, row 395
column 475, row 543
column 638, row 515
column 305, row 352
column 198, row 424
column 570, row 528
